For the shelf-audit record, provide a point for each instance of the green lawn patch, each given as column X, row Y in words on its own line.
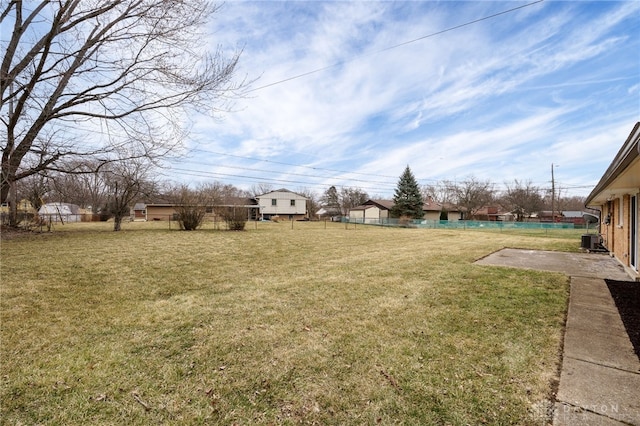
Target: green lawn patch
column 307, row 323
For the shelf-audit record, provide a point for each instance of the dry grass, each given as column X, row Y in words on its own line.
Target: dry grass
column 280, row 324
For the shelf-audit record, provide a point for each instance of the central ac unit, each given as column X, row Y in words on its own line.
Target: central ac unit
column 590, row 241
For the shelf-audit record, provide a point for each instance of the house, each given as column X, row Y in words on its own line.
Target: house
column 371, row 211
column 574, row 216
column 378, row 211
column 617, row 196
column 160, row 211
column 249, row 204
column 168, row 211
column 282, row 203
column 548, row 216
column 494, row 214
column 328, row 213
column 139, row 212
column 441, row 211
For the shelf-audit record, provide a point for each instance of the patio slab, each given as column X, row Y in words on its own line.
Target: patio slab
column 600, row 375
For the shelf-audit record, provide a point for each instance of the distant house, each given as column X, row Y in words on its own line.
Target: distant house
column 160, row 211
column 249, row 204
column 548, row 216
column 378, row 211
column 282, row 203
column 617, row 196
column 371, row 211
column 328, row 213
column 139, row 212
column 577, row 217
column 168, row 211
column 494, row 214
column 440, row 211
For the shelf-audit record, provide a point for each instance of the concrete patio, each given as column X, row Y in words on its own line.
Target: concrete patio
column 600, row 375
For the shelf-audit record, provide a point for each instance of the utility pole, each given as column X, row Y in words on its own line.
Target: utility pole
column 553, row 196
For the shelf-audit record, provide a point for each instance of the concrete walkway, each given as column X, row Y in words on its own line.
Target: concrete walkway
column 600, row 376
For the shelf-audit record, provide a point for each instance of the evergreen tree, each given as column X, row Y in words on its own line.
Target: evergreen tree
column 407, row 198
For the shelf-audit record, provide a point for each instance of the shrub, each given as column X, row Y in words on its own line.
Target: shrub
column 190, row 217
column 235, row 217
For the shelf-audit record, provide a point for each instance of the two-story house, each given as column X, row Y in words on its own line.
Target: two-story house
column 282, row 203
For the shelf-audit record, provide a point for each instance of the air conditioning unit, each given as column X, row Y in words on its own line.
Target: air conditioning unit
column 590, row 241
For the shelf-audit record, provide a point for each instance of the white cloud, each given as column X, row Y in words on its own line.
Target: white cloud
column 497, row 99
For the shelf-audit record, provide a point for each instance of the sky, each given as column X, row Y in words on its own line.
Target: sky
column 350, row 93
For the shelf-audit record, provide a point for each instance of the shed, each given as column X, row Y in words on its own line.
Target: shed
column 60, row 212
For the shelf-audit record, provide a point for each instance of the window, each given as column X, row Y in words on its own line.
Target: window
column 620, row 212
column 274, row 202
column 293, row 203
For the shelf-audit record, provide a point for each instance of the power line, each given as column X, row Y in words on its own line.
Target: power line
column 288, row 173
column 292, row 164
column 395, row 46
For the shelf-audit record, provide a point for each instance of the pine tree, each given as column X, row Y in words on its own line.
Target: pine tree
column 407, row 198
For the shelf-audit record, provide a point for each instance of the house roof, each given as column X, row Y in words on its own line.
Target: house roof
column 572, row 213
column 429, row 205
column 623, row 174
column 280, row 190
column 59, row 208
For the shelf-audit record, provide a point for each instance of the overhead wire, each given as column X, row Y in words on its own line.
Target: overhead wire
column 398, row 45
column 395, row 46
column 321, row 169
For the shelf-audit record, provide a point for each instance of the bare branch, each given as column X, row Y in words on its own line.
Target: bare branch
column 113, row 78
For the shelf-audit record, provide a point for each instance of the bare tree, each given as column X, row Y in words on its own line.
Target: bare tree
column 571, row 203
column 351, row 197
column 443, row 192
column 85, row 78
column 260, row 189
column 125, row 182
column 218, row 193
column 313, row 205
column 35, row 189
column 522, row 199
column 84, row 185
column 473, row 194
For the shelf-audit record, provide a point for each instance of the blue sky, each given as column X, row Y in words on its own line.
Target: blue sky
column 499, row 99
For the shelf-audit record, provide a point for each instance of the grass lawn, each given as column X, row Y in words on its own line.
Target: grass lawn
column 306, row 324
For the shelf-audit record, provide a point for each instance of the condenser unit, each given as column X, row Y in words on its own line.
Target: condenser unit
column 590, row 241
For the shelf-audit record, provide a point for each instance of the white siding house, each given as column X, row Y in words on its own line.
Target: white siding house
column 283, row 203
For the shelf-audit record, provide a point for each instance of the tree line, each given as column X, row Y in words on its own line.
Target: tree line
column 94, row 95
column 113, row 189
